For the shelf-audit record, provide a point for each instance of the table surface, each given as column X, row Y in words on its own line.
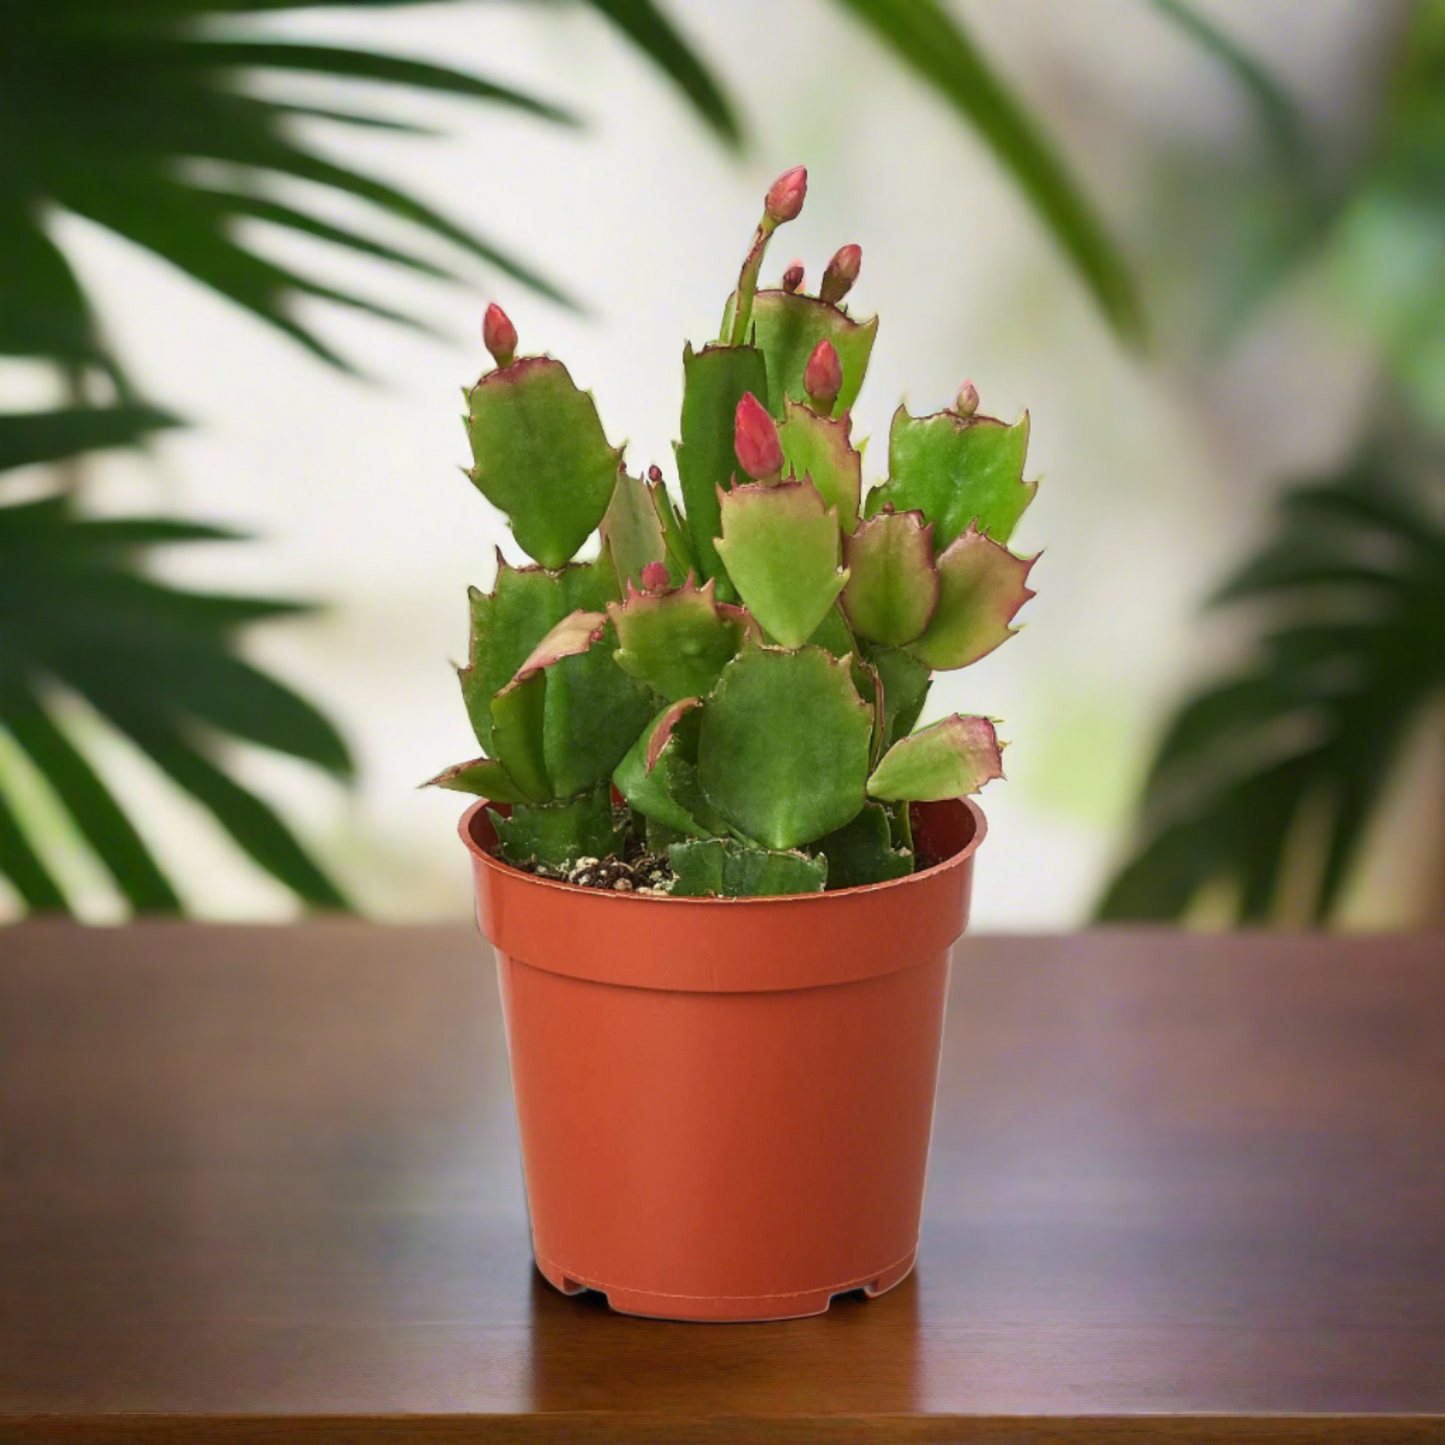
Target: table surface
column 263, row 1185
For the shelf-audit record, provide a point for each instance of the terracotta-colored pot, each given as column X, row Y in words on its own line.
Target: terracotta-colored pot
column 725, row 1104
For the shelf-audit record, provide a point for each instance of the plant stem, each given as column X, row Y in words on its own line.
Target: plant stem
column 748, row 281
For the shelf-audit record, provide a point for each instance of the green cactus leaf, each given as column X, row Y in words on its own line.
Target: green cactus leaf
column 559, row 833
column 507, row 623
column 632, row 534
column 677, row 641
column 593, row 713
column 483, row 778
column 645, row 776
column 658, row 776
column 786, row 329
column 957, row 470
column 781, row 548
column 892, row 585
column 642, row 526
column 982, row 585
column 565, row 720
column 541, row 456
column 870, row 689
column 900, row 825
column 834, row 635
column 518, row 715
column 783, row 750
column 950, row 758
column 714, row 381
column 725, row 868
column 905, row 689
column 574, row 634
column 818, row 447
column 862, row 851
column 681, row 554
column 659, row 837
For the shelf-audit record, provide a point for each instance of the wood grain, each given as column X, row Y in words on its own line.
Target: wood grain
column 262, row 1185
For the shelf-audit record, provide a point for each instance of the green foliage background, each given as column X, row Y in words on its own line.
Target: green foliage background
column 1264, row 783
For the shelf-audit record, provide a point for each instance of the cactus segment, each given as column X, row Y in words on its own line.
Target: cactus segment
column 483, row 778
column 905, row 682
column 681, row 555
column 565, row 720
column 957, row 470
column 950, row 758
column 834, row 635
column 981, row 588
column 518, row 715
column 659, row 837
column 893, row 587
column 783, row 749
column 715, row 380
column 862, row 851
column 745, row 622
column 676, row 642
column 787, row 329
column 558, row 834
column 781, row 548
column 658, row 776
column 541, row 456
column 725, row 868
column 900, row 825
column 870, row 688
column 593, row 712
column 632, row 532
column 508, row 622
column 573, row 634
column 642, row 526
column 817, row 447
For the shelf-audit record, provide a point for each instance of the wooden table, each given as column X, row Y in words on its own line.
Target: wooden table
column 262, row 1185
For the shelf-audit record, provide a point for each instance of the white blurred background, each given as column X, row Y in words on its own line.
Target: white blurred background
column 1154, row 474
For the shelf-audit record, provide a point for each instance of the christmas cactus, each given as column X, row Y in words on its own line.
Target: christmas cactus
column 723, row 700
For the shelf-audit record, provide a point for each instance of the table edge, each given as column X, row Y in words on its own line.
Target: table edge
column 1143, row 1428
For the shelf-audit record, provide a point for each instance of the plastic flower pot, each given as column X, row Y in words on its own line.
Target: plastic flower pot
column 725, row 1104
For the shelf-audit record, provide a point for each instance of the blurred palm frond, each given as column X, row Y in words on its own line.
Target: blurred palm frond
column 1264, row 784
column 1306, row 733
column 107, row 111
column 936, row 46
column 80, row 619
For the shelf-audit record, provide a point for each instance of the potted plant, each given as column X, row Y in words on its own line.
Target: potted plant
column 721, row 870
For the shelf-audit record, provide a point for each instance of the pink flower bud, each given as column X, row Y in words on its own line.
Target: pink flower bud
column 756, row 439
column 655, row 577
column 786, row 195
column 654, row 473
column 499, row 334
column 793, row 277
column 823, row 375
column 967, row 401
column 842, row 272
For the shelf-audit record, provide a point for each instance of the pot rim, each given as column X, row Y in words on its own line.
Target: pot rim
column 517, row 877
